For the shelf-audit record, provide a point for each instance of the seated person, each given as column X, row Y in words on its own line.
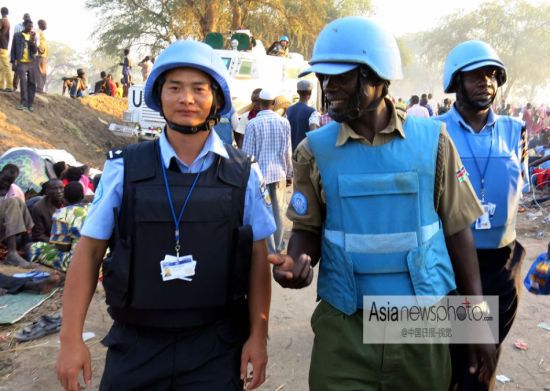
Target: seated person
column 13, row 285
column 44, row 209
column 76, row 85
column 15, row 219
column 65, row 233
column 111, row 84
column 103, row 86
column 12, row 172
column 119, row 90
column 279, row 48
column 60, row 168
column 80, row 174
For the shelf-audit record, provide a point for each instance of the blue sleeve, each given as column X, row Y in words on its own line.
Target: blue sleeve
column 257, row 205
column 100, row 222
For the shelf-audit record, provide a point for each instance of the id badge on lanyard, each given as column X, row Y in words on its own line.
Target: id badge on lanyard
column 484, row 221
column 176, row 267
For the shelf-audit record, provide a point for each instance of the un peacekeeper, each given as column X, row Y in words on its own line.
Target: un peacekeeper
column 371, row 190
column 189, row 225
column 492, row 149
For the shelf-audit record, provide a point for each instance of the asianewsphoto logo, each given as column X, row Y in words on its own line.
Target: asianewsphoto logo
column 429, row 319
column 445, row 310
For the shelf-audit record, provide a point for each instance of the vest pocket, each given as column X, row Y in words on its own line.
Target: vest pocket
column 380, row 212
column 430, row 268
column 116, row 273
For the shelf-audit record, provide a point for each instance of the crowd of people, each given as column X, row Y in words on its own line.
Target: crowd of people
column 44, row 228
column 26, row 66
column 384, row 202
column 77, row 86
column 390, row 198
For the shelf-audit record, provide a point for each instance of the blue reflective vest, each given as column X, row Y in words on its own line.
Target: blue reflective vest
column 382, row 235
column 503, row 181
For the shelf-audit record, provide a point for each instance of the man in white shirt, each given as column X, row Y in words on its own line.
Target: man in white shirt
column 416, row 109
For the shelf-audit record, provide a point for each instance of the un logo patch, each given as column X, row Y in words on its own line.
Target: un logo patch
column 299, row 203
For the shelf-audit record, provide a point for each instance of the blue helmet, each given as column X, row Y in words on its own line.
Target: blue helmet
column 351, row 41
column 468, row 56
column 192, row 54
column 284, row 38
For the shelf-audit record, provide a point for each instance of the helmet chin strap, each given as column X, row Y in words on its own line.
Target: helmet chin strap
column 212, row 119
column 355, row 103
column 462, row 96
column 364, row 75
column 210, row 122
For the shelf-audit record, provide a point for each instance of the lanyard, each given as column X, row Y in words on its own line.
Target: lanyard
column 481, row 174
column 178, row 220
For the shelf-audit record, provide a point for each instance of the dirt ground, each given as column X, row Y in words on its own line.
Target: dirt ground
column 79, row 126
column 75, row 126
column 30, row 365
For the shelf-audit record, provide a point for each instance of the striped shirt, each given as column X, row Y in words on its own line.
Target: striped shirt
column 267, row 138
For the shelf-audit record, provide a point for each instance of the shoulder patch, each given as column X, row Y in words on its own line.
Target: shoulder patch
column 462, row 174
column 264, row 192
column 98, row 194
column 115, row 154
column 299, row 203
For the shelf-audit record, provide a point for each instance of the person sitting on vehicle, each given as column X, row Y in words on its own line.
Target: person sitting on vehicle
column 103, row 86
column 65, row 232
column 279, row 48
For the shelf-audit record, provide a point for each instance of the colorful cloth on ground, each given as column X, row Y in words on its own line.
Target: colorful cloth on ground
column 66, row 225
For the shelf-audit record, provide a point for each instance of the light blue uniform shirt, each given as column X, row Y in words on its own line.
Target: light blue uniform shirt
column 99, row 223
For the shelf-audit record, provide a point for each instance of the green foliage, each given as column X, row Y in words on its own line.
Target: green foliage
column 62, row 61
column 519, row 32
column 153, row 24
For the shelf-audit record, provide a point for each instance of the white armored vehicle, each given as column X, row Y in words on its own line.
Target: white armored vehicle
column 248, row 70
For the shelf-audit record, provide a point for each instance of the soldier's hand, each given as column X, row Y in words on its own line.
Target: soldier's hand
column 486, row 355
column 289, row 273
column 73, row 358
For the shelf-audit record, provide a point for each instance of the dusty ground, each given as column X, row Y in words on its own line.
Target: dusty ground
column 30, row 365
column 63, row 123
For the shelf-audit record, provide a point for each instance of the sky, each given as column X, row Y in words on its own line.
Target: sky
column 71, row 23
column 402, row 17
column 68, row 21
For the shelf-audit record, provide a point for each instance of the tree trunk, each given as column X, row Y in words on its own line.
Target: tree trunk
column 507, row 89
column 237, row 15
column 209, row 21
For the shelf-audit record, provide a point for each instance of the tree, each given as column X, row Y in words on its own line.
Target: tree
column 154, row 24
column 62, row 61
column 519, row 32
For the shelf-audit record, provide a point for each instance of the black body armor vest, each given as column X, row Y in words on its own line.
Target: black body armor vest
column 211, row 230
